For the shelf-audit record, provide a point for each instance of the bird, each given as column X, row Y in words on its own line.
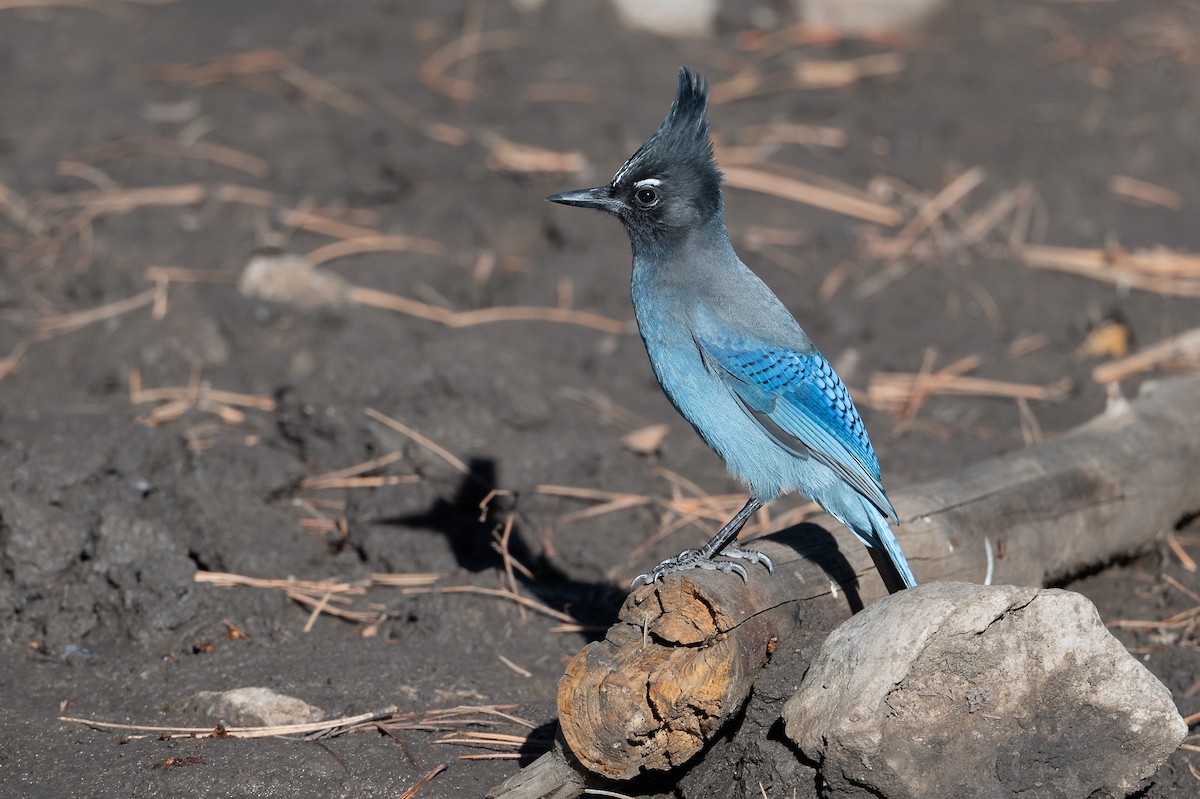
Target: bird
column 728, row 354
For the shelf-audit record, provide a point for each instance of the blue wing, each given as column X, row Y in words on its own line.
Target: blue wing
column 800, row 401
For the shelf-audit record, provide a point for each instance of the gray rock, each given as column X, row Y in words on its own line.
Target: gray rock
column 254, row 707
column 143, row 575
column 859, row 16
column 292, row 280
column 951, row 689
column 38, row 542
column 681, row 18
column 123, row 538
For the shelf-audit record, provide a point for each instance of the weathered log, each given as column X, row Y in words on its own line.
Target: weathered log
column 554, row 775
column 682, row 658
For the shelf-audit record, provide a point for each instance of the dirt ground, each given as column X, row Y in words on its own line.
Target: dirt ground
column 307, row 123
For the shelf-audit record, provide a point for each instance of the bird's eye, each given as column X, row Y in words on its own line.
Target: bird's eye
column 646, row 197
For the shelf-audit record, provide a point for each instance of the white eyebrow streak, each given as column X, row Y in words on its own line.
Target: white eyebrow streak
column 617, row 178
column 647, row 182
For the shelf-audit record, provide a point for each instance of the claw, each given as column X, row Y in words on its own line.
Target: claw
column 736, row 568
column 752, row 555
column 693, row 559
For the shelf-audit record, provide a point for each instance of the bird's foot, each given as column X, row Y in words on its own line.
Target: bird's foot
column 690, row 559
column 752, row 555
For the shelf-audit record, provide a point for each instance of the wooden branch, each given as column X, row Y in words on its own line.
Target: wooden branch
column 682, row 658
column 659, row 686
column 554, row 775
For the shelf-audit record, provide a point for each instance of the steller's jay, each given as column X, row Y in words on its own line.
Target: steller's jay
column 729, row 355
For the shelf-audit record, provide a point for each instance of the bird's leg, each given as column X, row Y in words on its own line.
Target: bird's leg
column 727, row 534
column 719, row 544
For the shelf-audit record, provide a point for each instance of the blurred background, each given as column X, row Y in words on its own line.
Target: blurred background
column 282, row 299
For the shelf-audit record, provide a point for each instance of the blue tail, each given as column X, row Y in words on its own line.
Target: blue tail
column 870, row 526
column 885, row 543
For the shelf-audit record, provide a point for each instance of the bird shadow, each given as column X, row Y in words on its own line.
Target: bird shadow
column 459, row 518
column 469, row 532
column 816, row 543
column 468, row 519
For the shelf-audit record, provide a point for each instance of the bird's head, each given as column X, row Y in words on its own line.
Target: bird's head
column 671, row 185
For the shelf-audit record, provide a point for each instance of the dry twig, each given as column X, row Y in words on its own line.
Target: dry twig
column 505, row 155
column 433, row 69
column 260, row 70
column 331, row 726
column 374, row 243
column 483, row 316
column 1156, row 270
column 499, row 593
column 91, row 205
column 1025, row 345
column 928, row 214
column 416, row 787
column 86, row 206
column 809, row 73
column 10, row 362
column 904, row 393
column 803, row 192
column 1185, row 560
column 14, row 206
column 324, row 596
column 608, row 501
column 1143, row 193
column 178, row 400
column 172, row 148
column 1182, row 349
column 794, row 133
column 97, row 5
column 389, row 720
column 351, row 476
column 429, row 444
column 51, row 326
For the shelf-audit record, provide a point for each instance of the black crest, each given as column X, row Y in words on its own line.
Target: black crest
column 680, row 148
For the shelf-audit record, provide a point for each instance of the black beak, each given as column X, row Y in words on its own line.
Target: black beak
column 599, row 198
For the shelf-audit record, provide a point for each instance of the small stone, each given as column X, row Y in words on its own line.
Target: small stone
column 254, row 707
column 292, row 280
column 860, row 16
column 670, row 17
